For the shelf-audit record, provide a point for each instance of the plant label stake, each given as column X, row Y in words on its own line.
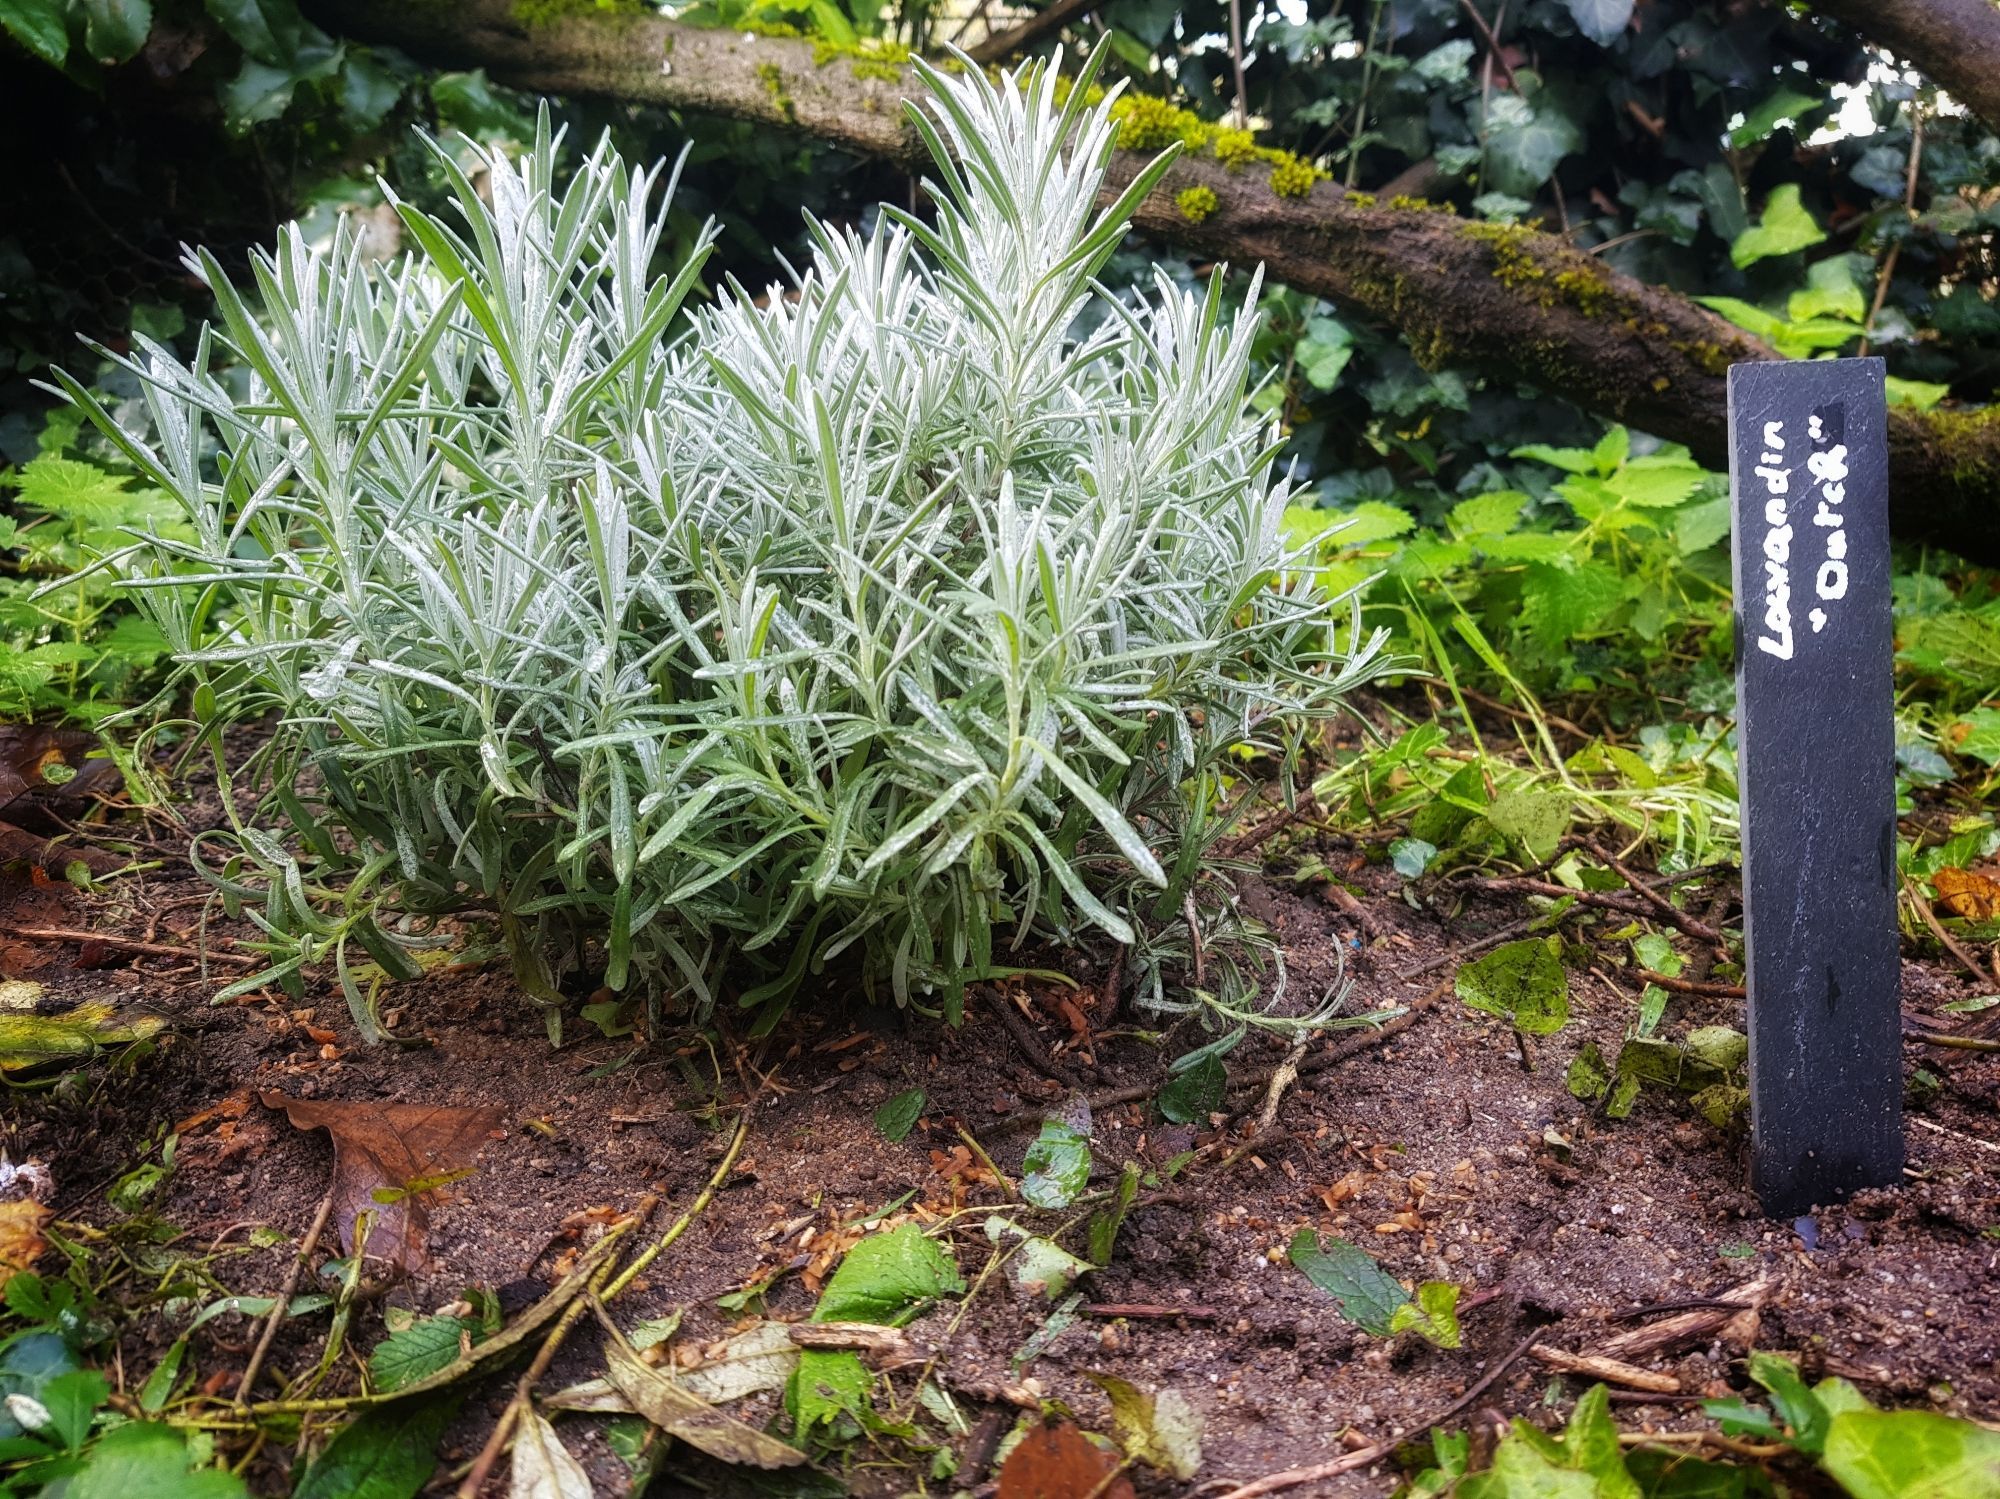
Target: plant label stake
column 1816, row 755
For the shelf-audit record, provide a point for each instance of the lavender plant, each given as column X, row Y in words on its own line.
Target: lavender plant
column 888, row 620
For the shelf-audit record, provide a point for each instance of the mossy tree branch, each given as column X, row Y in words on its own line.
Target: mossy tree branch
column 1508, row 302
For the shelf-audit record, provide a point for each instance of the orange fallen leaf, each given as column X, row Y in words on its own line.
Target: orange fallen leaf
column 387, row 1148
column 1056, row 1461
column 1971, row 893
column 21, row 1241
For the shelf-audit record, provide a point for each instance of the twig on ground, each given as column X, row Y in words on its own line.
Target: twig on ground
column 1291, row 1478
column 600, row 1289
column 1283, row 1076
column 1665, row 911
column 1147, row 1310
column 694, row 1210
column 1960, row 1136
column 1705, row 987
column 1030, row 1044
column 1610, row 1370
column 1955, row 1043
column 524, row 1388
column 129, row 944
column 1690, row 1326
column 306, row 1247
column 1952, row 945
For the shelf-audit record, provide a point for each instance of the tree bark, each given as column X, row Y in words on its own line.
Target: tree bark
column 1507, row 302
column 1954, row 43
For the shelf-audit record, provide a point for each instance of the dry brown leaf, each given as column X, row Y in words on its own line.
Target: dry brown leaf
column 390, row 1148
column 1056, row 1461
column 21, row 1241
column 679, row 1413
column 1971, row 893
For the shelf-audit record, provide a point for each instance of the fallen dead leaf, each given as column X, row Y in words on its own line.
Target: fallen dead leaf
column 386, row 1149
column 680, row 1413
column 1971, row 893
column 1056, row 1461
column 21, row 1241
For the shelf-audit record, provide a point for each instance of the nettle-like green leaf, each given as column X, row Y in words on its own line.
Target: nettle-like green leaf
column 888, row 1278
column 42, row 26
column 74, row 491
column 1368, row 1295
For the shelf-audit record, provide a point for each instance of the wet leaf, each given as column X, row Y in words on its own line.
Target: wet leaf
column 390, row 1145
column 1057, row 1167
column 1043, row 1338
column 1536, row 820
column 1521, row 981
column 1585, row 1462
column 1433, row 1316
column 1159, row 1429
column 1104, row 1225
column 1912, row 1455
column 827, row 1384
column 1971, row 893
column 898, row 1116
column 683, row 1414
column 1056, row 1461
column 1043, row 1267
column 757, row 1359
column 30, row 1041
column 146, row 1458
column 543, row 1467
column 1368, row 1294
column 1588, row 1078
column 419, row 1350
column 887, row 1278
column 1191, row 1095
column 382, row 1454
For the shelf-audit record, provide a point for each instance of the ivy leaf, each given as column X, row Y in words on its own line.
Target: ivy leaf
column 38, row 25
column 1433, row 1315
column 1830, row 291
column 1785, row 229
column 1911, row 1455
column 826, row 1384
column 1057, row 1166
column 886, row 1278
column 1785, row 103
column 1603, row 21
column 1526, row 143
column 1368, row 1294
column 1411, row 856
column 896, row 1118
column 1523, row 982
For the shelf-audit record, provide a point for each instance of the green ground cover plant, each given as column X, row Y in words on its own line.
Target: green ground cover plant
column 885, row 620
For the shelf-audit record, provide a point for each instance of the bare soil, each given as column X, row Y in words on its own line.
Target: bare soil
column 1451, row 1151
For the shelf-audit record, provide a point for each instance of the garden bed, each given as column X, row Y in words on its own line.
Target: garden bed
column 1453, row 1150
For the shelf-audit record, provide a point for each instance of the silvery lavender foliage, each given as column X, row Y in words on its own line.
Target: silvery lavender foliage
column 883, row 620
